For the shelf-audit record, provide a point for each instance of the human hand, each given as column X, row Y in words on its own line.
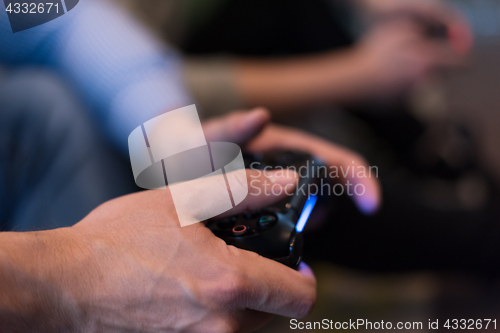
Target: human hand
column 425, row 11
column 396, row 55
column 134, row 268
column 253, row 131
column 147, row 273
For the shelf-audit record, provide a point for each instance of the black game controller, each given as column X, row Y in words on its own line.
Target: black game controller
column 274, row 232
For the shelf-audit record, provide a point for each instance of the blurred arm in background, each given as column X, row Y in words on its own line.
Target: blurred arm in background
column 392, row 55
column 125, row 74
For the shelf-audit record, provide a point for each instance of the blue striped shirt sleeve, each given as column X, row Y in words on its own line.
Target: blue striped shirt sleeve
column 126, row 74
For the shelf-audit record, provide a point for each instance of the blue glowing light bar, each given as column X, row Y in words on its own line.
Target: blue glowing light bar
column 306, row 213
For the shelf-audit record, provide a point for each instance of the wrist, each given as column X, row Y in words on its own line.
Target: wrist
column 64, row 264
column 351, row 73
column 40, row 282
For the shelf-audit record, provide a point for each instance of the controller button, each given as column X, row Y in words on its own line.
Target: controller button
column 227, row 223
column 240, row 230
column 267, row 221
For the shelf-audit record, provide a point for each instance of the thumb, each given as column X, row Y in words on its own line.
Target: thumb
column 264, row 189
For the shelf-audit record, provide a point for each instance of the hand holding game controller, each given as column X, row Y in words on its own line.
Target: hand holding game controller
column 275, row 231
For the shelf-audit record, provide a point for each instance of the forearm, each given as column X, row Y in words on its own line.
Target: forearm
column 294, row 83
column 32, row 293
column 125, row 74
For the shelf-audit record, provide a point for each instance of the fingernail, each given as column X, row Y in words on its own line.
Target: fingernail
column 306, row 270
column 367, row 204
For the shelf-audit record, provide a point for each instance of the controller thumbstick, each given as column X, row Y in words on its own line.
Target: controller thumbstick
column 267, row 221
column 240, row 230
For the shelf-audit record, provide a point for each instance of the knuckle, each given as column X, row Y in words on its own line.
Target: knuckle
column 230, row 289
column 248, row 256
column 218, row 243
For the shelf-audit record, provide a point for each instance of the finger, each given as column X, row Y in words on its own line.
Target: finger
column 237, row 127
column 429, row 56
column 411, row 40
column 425, row 10
column 459, row 34
column 273, row 287
column 306, row 270
column 360, row 180
column 264, row 189
column 349, row 167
